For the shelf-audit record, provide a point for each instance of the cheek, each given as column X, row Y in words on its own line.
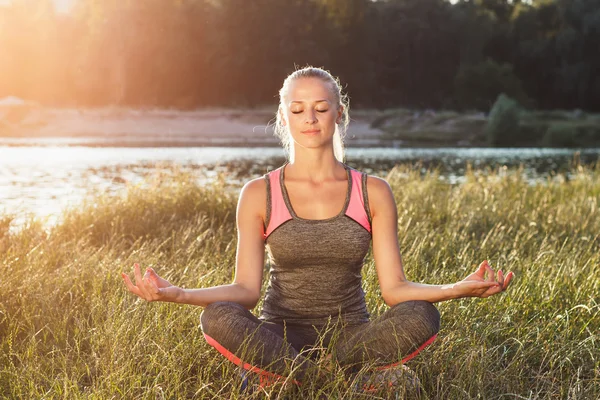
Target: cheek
column 295, row 119
column 329, row 117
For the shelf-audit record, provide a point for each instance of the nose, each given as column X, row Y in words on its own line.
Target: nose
column 311, row 117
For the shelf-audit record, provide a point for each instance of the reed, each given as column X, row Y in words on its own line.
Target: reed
column 69, row 329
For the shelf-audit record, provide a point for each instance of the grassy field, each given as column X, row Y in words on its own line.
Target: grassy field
column 70, row 330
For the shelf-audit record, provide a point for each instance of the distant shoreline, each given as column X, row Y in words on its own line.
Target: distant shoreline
column 140, row 143
column 28, row 124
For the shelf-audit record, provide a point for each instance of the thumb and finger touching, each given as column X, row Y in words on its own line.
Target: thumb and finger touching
column 158, row 280
column 144, row 286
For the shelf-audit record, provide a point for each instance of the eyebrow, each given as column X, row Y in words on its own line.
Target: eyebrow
column 318, row 101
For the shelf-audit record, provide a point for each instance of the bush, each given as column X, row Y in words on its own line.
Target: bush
column 503, row 124
column 532, row 133
column 557, row 115
column 572, row 134
column 560, row 135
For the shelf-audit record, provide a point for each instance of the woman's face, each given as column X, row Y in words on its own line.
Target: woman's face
column 311, row 112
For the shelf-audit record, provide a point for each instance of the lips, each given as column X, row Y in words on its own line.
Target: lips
column 311, row 131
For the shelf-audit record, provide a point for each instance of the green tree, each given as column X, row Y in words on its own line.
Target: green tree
column 415, row 46
column 503, row 124
column 478, row 86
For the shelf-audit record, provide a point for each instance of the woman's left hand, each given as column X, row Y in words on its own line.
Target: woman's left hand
column 477, row 285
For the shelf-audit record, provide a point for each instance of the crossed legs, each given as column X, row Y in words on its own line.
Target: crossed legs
column 274, row 349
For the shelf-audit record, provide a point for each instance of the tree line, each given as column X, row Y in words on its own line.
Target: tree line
column 235, row 53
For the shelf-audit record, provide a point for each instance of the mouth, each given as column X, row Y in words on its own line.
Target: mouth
column 311, row 131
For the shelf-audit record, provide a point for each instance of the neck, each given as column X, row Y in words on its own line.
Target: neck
column 314, row 166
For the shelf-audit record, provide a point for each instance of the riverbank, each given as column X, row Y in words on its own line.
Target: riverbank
column 26, row 124
column 29, row 124
column 126, row 127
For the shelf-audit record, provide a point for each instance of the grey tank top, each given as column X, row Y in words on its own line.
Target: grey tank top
column 315, row 265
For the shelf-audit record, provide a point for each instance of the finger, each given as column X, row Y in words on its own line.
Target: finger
column 481, row 270
column 500, row 279
column 130, row 286
column 491, row 284
column 502, row 283
column 156, row 289
column 493, row 290
column 139, row 281
column 137, row 274
column 153, row 276
column 150, row 285
column 491, row 287
column 484, row 285
column 476, row 288
column 507, row 280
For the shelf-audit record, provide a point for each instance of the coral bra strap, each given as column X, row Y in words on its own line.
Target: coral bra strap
column 356, row 207
column 279, row 211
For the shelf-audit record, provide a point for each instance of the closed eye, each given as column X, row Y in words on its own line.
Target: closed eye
column 299, row 112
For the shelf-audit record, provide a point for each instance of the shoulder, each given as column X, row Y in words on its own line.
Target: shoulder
column 255, row 187
column 253, row 197
column 380, row 194
column 377, row 187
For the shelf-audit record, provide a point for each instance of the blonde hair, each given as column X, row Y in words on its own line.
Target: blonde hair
column 282, row 132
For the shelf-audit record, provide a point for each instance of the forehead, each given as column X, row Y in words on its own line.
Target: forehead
column 309, row 90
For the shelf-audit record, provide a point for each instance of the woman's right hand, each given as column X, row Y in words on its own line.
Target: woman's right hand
column 151, row 287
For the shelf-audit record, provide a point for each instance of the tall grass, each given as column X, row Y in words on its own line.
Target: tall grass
column 69, row 329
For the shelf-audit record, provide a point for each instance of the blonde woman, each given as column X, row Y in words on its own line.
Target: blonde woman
column 317, row 218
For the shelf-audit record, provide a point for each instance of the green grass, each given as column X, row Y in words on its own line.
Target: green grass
column 69, row 329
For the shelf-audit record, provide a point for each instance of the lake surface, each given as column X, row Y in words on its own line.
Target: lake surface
column 43, row 180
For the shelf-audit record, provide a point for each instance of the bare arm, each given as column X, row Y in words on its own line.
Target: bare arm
column 245, row 288
column 395, row 288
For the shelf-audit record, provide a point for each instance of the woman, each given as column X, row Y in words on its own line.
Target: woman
column 317, row 218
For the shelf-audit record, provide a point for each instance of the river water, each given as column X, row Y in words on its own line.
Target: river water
column 41, row 181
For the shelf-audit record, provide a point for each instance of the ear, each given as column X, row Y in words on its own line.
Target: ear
column 340, row 113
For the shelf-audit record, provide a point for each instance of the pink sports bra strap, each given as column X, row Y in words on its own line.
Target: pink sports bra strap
column 356, row 208
column 279, row 211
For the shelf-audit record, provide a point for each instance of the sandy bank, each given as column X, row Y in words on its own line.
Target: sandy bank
column 122, row 126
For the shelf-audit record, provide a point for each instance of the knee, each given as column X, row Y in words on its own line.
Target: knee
column 418, row 312
column 215, row 315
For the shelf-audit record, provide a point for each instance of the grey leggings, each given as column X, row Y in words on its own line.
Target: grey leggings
column 278, row 348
